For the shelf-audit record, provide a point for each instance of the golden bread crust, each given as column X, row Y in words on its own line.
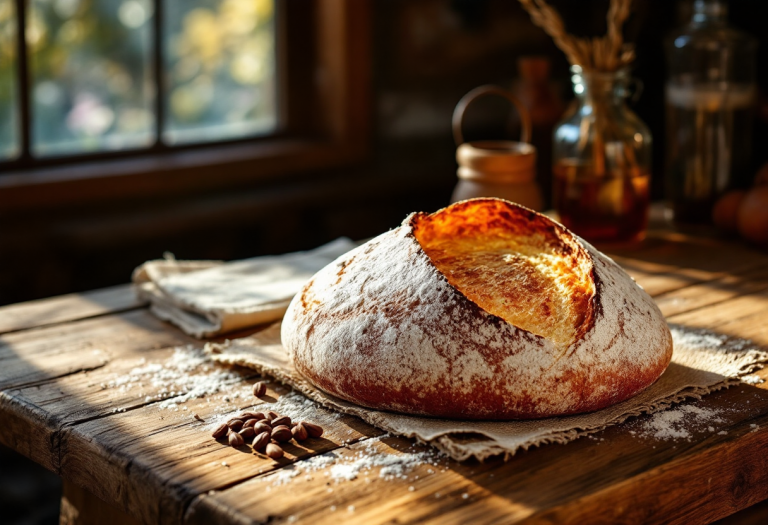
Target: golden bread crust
column 419, row 320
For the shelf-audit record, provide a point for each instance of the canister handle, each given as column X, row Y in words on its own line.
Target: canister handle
column 489, row 89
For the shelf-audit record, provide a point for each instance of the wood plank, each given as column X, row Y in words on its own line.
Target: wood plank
column 116, row 332
column 71, row 307
column 152, row 466
column 43, row 353
column 145, row 460
column 48, row 359
column 659, row 284
column 743, row 316
column 36, row 369
column 666, row 251
column 753, row 327
column 667, row 261
column 81, row 397
column 572, row 483
column 36, row 415
column 676, row 488
column 713, row 292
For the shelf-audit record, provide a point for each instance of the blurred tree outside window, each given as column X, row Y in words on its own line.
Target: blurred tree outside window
column 90, row 67
column 9, row 137
column 93, row 82
column 219, row 58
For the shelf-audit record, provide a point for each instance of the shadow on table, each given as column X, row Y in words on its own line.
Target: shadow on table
column 678, row 250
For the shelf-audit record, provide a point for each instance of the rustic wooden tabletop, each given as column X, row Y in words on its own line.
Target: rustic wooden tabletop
column 60, row 357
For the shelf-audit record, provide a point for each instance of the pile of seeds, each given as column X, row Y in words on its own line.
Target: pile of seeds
column 267, row 430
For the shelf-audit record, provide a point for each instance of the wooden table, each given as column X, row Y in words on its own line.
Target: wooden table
column 56, row 354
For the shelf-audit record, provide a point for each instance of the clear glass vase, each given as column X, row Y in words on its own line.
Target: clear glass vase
column 602, row 160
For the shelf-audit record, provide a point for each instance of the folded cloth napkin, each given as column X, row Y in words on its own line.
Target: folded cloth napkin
column 206, row 298
column 702, row 363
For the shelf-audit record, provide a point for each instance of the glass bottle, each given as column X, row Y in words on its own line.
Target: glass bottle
column 602, row 160
column 710, row 94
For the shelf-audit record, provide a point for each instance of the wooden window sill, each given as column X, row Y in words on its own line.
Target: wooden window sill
column 176, row 173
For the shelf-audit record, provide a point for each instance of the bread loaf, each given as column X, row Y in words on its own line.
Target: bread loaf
column 482, row 310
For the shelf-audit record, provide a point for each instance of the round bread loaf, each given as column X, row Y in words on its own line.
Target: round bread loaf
column 482, row 310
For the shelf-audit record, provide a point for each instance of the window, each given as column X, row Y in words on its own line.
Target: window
column 106, row 75
column 113, row 98
column 9, row 97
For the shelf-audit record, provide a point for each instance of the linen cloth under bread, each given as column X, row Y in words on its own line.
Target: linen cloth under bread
column 207, row 298
column 702, row 362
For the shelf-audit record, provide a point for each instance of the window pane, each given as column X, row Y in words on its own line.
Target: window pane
column 92, row 86
column 220, row 63
column 9, row 117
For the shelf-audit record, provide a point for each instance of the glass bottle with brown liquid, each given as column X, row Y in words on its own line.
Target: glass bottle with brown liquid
column 601, row 161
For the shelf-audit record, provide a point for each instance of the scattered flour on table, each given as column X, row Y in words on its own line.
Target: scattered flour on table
column 338, row 466
column 187, row 374
column 735, row 357
column 680, row 422
column 752, row 380
column 698, row 339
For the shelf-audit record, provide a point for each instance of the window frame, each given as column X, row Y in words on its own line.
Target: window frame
column 323, row 52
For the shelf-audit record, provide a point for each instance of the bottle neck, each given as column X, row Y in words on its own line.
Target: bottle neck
column 599, row 87
column 709, row 12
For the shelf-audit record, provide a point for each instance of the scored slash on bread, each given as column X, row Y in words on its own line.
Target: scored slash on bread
column 516, row 266
column 482, row 310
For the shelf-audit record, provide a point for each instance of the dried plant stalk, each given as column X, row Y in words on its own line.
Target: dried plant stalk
column 549, row 20
column 598, row 54
column 607, row 53
column 618, row 13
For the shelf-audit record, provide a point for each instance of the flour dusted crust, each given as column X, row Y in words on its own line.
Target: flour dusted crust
column 482, row 310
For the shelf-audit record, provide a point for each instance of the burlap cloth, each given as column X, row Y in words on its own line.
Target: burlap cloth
column 703, row 362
